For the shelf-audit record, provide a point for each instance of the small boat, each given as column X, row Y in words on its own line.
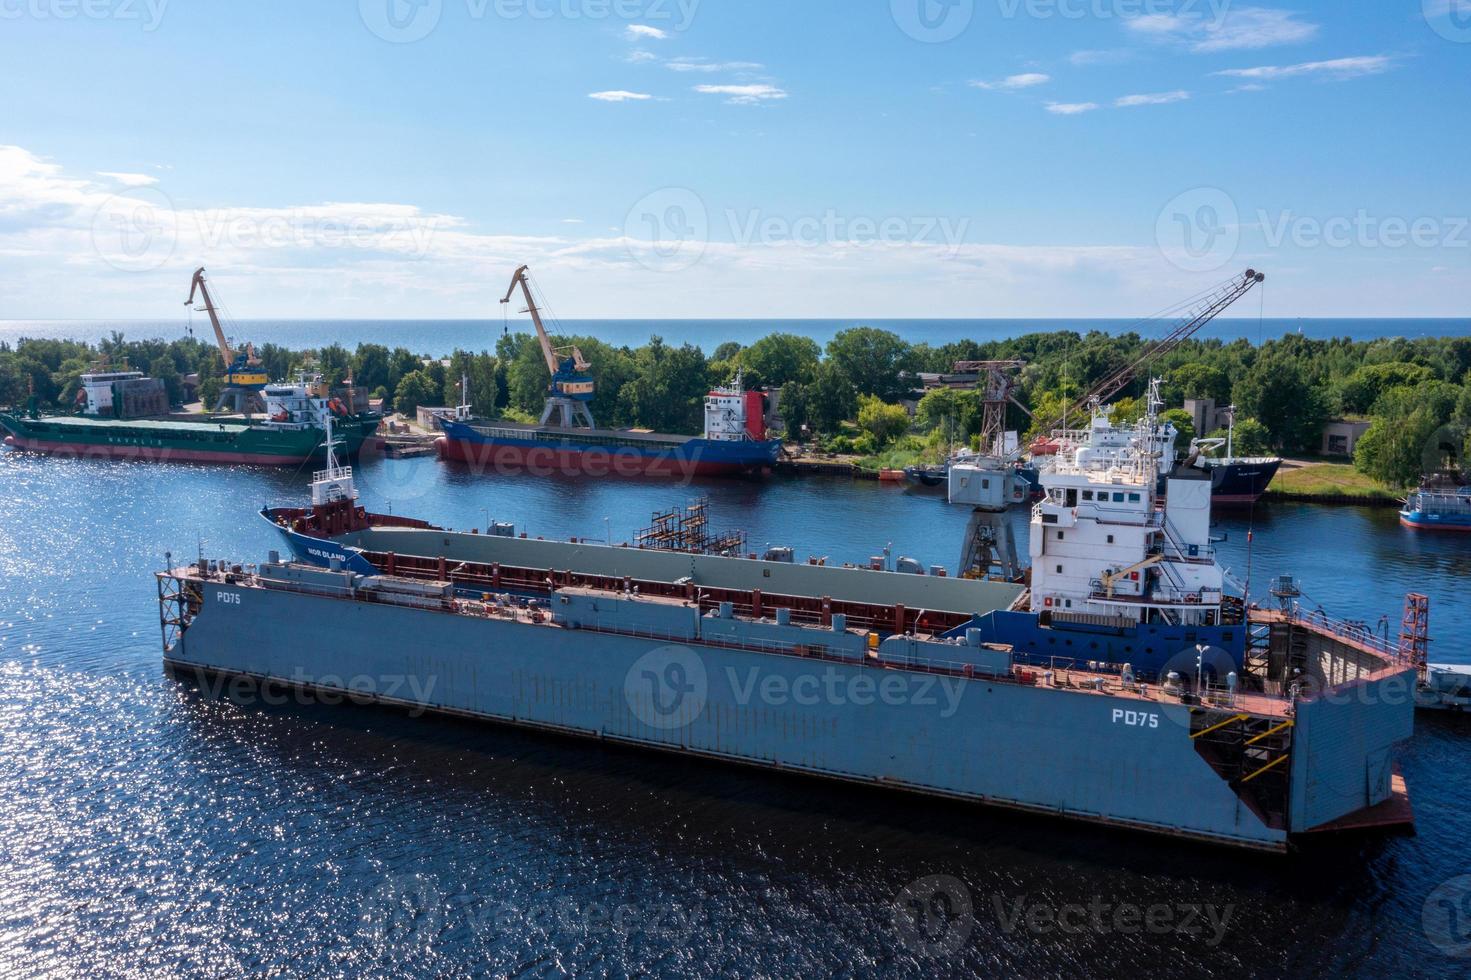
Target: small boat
column 1442, row 508
column 928, row 476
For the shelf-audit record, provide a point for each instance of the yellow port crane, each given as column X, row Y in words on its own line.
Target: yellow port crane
column 242, row 368
column 571, row 386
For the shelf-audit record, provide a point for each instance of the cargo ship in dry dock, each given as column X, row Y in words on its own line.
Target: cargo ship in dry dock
column 734, row 441
column 1127, row 694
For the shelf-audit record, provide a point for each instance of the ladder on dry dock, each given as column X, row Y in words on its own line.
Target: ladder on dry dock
column 1252, row 754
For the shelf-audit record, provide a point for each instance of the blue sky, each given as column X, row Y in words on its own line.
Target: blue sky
column 680, row 158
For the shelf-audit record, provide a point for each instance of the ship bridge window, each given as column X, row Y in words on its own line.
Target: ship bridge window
column 1118, row 498
column 1133, row 498
column 1087, row 494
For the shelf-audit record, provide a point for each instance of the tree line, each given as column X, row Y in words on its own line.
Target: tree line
column 845, row 395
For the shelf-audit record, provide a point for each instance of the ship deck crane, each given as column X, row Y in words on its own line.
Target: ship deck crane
column 571, row 386
column 990, row 483
column 1215, row 302
column 244, row 375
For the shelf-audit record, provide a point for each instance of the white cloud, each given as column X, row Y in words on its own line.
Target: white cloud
column 700, row 64
column 1157, row 98
column 1248, row 87
column 571, row 221
column 639, row 57
column 384, row 259
column 1071, row 108
column 127, row 179
column 1237, row 29
column 1012, row 82
column 639, row 32
column 753, row 94
column 1339, row 69
column 619, row 95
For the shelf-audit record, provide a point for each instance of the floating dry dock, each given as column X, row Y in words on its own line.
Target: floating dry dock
column 864, row 676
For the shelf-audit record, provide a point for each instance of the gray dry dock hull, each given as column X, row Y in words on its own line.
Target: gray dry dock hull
column 1069, row 753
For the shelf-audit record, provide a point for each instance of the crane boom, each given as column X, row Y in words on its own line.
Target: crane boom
column 197, row 285
column 519, row 277
column 242, row 367
column 1213, row 305
column 571, row 387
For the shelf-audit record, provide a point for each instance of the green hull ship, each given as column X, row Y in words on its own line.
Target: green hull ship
column 231, row 440
column 290, row 433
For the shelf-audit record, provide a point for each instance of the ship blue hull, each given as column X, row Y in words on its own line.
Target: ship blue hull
column 1430, row 521
column 506, row 449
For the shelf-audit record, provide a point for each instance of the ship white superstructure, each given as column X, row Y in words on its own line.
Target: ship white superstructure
column 1103, row 542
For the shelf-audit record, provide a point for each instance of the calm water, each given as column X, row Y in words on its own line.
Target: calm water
column 437, row 337
column 149, row 828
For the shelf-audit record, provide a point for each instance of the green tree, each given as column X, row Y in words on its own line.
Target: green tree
column 1411, row 434
column 956, row 413
column 794, row 407
column 1362, row 389
column 882, row 421
column 1184, row 427
column 163, row 369
column 209, row 392
column 371, row 367
column 668, row 390
column 781, row 357
column 1198, row 379
column 873, row 361
column 1277, row 392
column 414, row 389
column 832, row 399
column 1249, row 439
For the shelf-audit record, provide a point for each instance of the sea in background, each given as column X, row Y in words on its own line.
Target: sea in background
column 150, row 828
column 442, row 337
